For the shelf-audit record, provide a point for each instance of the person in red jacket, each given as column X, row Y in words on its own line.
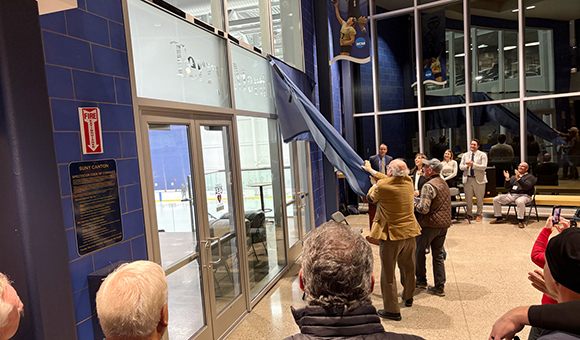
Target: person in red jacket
column 538, row 258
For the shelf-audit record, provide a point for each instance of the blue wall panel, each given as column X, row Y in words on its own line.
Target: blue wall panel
column 87, row 65
column 310, row 68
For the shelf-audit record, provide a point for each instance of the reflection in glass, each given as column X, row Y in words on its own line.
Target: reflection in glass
column 304, row 194
column 396, row 63
column 208, row 11
column 262, row 200
column 561, row 152
column 290, row 192
column 490, row 131
column 400, row 132
column 365, row 140
column 185, row 303
column 442, row 53
column 287, row 36
column 552, row 47
column 245, row 20
column 221, row 213
column 178, row 232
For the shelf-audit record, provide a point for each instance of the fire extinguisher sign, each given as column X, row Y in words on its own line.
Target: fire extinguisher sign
column 90, row 121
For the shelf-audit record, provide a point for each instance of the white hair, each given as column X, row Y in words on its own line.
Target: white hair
column 399, row 168
column 5, row 308
column 130, row 300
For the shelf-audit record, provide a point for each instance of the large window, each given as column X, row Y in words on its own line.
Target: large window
column 263, row 202
column 497, row 71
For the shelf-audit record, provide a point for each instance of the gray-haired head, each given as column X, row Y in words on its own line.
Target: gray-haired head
column 131, row 302
column 398, row 168
column 337, row 267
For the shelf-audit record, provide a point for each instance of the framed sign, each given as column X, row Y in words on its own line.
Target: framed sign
column 95, row 199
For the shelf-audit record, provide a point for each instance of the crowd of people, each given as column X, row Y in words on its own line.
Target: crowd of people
column 413, row 215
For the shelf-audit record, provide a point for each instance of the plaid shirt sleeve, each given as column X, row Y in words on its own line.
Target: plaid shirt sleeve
column 428, row 193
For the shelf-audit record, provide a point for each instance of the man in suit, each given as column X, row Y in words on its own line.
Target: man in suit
column 379, row 162
column 473, row 165
column 396, row 227
column 521, row 189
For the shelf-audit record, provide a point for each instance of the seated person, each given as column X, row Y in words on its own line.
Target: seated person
column 132, row 302
column 337, row 277
column 10, row 309
column 547, row 171
column 562, row 281
column 521, row 189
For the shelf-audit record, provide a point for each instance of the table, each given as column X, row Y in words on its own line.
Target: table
column 261, row 185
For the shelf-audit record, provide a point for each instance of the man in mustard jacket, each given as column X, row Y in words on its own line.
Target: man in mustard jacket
column 396, row 227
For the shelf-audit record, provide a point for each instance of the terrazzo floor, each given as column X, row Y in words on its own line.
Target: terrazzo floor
column 486, row 267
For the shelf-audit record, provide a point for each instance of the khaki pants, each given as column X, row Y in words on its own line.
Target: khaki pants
column 471, row 187
column 400, row 252
column 520, row 199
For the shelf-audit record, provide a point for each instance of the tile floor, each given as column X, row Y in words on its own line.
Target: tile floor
column 487, row 268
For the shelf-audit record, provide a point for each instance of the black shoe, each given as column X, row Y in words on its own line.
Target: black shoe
column 390, row 316
column 409, row 302
column 437, row 291
column 421, row 285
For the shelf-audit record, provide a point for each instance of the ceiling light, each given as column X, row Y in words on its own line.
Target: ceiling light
column 478, row 77
column 460, row 55
column 482, row 46
column 535, row 43
column 515, row 10
column 530, row 7
column 507, row 48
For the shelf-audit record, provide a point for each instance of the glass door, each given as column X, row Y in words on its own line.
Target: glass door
column 299, row 205
column 190, row 177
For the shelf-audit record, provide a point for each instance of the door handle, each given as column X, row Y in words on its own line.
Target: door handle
column 208, row 243
column 302, row 196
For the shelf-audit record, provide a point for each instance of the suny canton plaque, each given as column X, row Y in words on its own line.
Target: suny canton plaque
column 95, row 198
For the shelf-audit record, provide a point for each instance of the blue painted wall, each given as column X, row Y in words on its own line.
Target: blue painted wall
column 311, row 68
column 87, row 65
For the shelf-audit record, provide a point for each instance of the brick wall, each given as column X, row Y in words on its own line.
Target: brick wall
column 86, row 65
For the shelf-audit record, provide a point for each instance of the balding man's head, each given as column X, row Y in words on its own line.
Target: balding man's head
column 398, row 168
column 523, row 168
column 547, row 157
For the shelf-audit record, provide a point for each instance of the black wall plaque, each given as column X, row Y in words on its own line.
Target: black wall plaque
column 95, row 198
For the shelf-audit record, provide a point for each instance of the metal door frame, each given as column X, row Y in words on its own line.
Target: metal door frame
column 217, row 325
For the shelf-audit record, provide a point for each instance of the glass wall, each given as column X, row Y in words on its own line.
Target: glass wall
column 397, row 76
column 208, row 11
column 169, row 66
column 263, row 202
column 287, row 32
column 400, row 132
column 551, row 39
column 550, row 62
column 443, row 59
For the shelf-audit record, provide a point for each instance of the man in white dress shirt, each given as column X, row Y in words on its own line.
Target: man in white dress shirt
column 473, row 165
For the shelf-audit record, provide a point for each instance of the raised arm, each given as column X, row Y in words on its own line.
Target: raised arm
column 338, row 13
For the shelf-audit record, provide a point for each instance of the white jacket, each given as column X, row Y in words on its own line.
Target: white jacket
column 479, row 166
